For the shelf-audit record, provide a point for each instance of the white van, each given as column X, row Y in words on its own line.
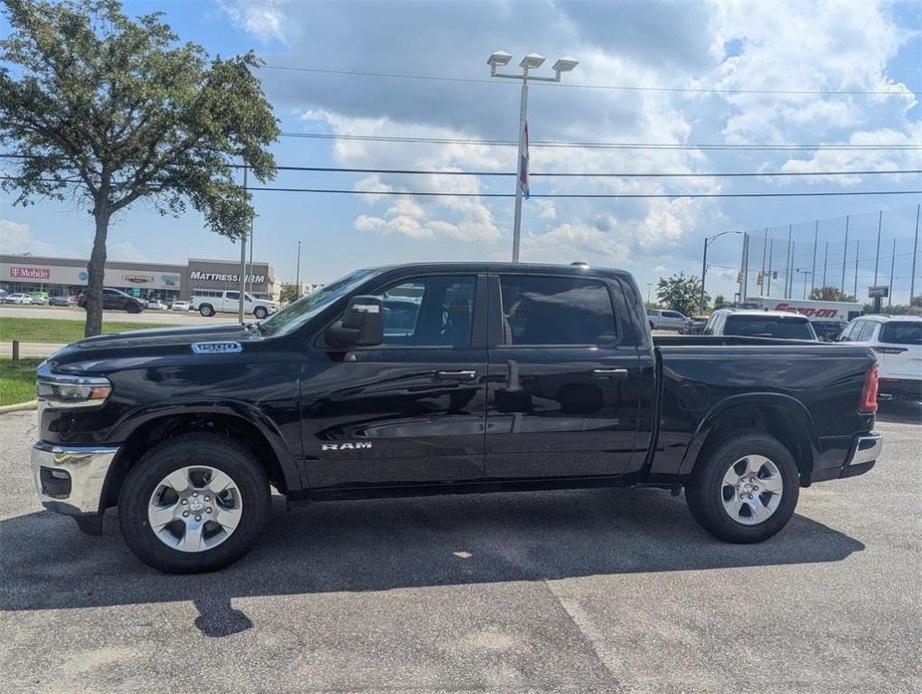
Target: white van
column 211, row 301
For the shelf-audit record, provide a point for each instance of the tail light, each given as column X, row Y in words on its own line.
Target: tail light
column 868, row 403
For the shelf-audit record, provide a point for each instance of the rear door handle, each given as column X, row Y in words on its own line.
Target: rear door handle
column 456, row 375
column 609, row 373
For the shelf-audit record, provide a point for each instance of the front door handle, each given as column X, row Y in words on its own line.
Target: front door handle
column 456, row 375
column 609, row 373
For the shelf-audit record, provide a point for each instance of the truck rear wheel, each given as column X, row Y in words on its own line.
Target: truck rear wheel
column 744, row 490
column 193, row 504
column 206, row 310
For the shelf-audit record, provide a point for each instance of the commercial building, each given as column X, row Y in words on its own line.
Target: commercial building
column 68, row 276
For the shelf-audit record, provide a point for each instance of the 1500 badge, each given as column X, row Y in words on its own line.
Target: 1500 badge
column 216, row 347
column 348, row 446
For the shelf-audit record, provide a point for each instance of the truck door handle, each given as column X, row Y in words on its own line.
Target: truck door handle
column 456, row 375
column 609, row 373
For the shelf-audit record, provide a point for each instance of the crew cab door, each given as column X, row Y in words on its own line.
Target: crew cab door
column 564, row 386
column 412, row 409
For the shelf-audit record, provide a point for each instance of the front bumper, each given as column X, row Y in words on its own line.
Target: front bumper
column 70, row 479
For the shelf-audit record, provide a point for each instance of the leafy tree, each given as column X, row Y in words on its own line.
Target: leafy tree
column 289, row 292
column 720, row 301
column 681, row 293
column 118, row 108
column 830, row 294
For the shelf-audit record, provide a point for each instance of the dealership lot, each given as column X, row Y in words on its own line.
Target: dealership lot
column 611, row 590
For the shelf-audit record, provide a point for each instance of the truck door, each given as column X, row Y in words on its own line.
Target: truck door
column 411, row 410
column 563, row 388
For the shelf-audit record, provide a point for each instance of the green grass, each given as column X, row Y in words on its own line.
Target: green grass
column 17, row 380
column 59, row 329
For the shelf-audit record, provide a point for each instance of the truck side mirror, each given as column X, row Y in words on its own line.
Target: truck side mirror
column 362, row 324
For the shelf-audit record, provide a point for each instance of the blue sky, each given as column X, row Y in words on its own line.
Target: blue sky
column 857, row 46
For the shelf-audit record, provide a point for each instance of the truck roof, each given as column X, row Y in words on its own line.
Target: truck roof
column 575, row 269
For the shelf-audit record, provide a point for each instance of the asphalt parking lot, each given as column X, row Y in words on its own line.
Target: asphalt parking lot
column 577, row 591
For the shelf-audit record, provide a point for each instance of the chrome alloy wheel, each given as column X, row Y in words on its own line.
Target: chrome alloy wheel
column 194, row 509
column 751, row 490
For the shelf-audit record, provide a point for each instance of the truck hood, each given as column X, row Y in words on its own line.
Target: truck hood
column 148, row 343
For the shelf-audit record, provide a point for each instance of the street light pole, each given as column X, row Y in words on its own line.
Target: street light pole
column 704, row 259
column 298, row 272
column 532, row 61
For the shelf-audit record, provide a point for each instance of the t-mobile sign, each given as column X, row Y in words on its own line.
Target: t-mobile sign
column 30, row 273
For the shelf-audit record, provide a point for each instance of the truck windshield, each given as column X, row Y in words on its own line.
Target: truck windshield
column 305, row 308
column 901, row 333
column 770, row 326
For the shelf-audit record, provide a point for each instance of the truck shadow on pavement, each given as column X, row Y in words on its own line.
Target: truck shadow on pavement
column 396, row 543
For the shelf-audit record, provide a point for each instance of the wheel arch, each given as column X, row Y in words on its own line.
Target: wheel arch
column 242, row 427
column 780, row 416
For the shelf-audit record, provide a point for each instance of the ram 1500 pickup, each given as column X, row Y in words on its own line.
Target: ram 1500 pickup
column 440, row 378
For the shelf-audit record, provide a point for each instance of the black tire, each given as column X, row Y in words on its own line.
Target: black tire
column 260, row 312
column 133, row 308
column 206, row 310
column 704, row 491
column 215, row 451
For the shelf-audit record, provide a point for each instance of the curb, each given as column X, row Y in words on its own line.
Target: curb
column 19, row 407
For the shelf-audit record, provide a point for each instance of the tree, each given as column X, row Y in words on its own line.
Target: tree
column 289, row 292
column 830, row 294
column 121, row 110
column 681, row 293
column 720, row 301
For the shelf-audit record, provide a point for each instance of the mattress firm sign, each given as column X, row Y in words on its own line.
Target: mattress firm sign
column 226, row 277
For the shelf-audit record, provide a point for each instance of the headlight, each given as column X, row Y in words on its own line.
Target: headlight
column 63, row 391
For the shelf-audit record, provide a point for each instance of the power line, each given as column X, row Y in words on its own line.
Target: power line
column 610, row 87
column 606, row 145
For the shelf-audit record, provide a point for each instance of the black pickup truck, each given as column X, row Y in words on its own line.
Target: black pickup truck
column 440, row 378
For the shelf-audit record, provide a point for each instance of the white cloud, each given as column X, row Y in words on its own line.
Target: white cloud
column 261, row 18
column 17, row 239
column 125, row 251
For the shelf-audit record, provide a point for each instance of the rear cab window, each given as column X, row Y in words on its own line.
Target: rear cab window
column 781, row 327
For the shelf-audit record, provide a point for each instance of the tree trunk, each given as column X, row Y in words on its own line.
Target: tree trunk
column 96, row 270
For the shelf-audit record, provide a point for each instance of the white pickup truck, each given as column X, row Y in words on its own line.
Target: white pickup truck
column 211, row 301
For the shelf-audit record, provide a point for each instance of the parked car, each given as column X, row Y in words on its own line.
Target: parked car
column 897, row 341
column 754, row 323
column 156, row 305
column 510, row 377
column 39, row 298
column 181, row 305
column 17, row 298
column 62, row 300
column 696, row 325
column 116, row 300
column 211, row 301
column 661, row 319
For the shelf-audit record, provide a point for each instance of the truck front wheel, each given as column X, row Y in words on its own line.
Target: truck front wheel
column 260, row 313
column 195, row 503
column 744, row 490
column 206, row 310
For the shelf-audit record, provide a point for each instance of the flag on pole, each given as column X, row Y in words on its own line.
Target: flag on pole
column 523, row 163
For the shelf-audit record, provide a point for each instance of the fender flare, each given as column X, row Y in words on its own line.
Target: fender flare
column 804, row 424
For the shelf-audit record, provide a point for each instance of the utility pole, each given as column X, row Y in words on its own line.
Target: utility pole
column 243, row 260
column 892, row 264
column 789, row 262
column 825, row 263
column 915, row 250
column 744, row 269
column 771, row 256
column 816, row 240
column 844, row 254
column 298, row 273
column 532, row 61
column 857, row 255
column 791, row 285
column 649, row 289
column 764, row 248
column 880, row 220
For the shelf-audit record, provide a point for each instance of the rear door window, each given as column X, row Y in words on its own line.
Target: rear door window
column 544, row 310
column 901, row 333
column 864, row 334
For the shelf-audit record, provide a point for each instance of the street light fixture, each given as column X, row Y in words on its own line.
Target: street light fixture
column 532, row 61
column 704, row 260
